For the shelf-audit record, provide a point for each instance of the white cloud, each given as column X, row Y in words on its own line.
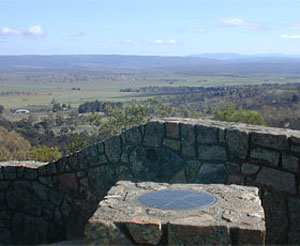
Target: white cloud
column 237, row 22
column 34, row 31
column 158, row 41
column 169, row 41
column 172, row 41
column 7, row 31
column 286, row 36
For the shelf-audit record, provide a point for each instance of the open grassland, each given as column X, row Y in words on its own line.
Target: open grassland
column 35, row 90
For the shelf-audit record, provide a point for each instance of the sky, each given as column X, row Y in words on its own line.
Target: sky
column 149, row 27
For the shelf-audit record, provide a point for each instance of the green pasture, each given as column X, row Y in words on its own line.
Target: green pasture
column 36, row 90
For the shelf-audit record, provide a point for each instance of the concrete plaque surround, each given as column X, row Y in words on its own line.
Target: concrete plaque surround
column 121, row 219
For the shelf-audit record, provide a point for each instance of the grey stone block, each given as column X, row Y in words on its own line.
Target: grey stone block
column 276, row 218
column 277, row 180
column 188, row 140
column 30, row 173
column 212, row 153
column 278, row 142
column 233, row 168
column 20, row 196
column 294, row 211
column 154, row 134
column 237, row 142
column 248, row 168
column 172, row 129
column 9, row 173
column 133, row 136
column 290, row 162
column 269, row 156
column 101, row 179
column 192, row 169
column 172, row 144
column 207, row 134
column 237, row 217
column 212, row 174
column 113, row 149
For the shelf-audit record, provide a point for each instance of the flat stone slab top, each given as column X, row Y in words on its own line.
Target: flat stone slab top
column 27, row 164
column 235, row 217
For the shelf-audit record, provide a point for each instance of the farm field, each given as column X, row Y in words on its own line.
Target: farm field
column 34, row 90
column 71, row 102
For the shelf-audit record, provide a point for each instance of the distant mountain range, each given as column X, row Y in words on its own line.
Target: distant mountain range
column 204, row 63
column 236, row 56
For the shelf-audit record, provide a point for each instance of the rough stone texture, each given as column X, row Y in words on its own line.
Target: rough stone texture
column 290, row 163
column 154, row 134
column 20, row 196
column 269, row 156
column 188, row 140
column 221, row 134
column 249, row 168
column 187, row 232
column 172, row 144
column 276, row 218
column 156, row 164
column 30, row 174
column 278, row 142
column 172, row 129
column 68, row 183
column 65, row 193
column 277, row 180
column 28, row 229
column 9, row 173
column 179, row 178
column 235, row 179
column 145, row 230
column 294, row 209
column 293, row 238
column 233, row 168
column 101, row 179
column 237, row 218
column 113, row 149
column 212, row 152
column 192, row 169
column 133, row 136
column 212, row 174
column 207, row 135
column 237, row 142
column 295, row 148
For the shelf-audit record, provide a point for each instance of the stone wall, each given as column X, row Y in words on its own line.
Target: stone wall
column 54, row 201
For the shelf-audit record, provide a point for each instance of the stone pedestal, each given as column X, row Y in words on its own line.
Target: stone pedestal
column 237, row 218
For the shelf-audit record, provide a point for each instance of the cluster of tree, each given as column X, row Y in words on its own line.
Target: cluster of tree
column 97, row 106
column 59, row 134
column 60, row 107
column 229, row 113
column 44, row 154
column 121, row 119
column 12, row 145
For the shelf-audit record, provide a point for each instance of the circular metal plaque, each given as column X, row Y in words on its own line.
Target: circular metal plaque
column 177, row 199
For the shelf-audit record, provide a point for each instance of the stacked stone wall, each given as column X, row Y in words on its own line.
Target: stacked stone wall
column 54, row 201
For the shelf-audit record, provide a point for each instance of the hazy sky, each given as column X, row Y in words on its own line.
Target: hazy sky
column 149, row 27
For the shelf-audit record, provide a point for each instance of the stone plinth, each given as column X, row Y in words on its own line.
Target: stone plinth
column 237, row 218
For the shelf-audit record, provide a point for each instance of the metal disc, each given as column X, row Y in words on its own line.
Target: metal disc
column 177, row 199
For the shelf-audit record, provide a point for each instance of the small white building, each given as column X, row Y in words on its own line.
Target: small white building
column 22, row 111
